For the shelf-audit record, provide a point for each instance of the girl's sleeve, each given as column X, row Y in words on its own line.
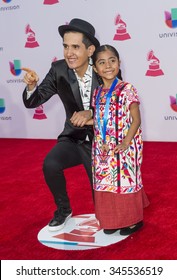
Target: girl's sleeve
column 132, row 94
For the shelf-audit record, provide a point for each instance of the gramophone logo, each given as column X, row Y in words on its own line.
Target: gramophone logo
column 171, row 18
column 154, row 65
column 121, row 31
column 173, row 103
column 31, row 40
column 50, row 2
column 15, row 67
column 54, row 59
column 2, row 106
column 39, row 113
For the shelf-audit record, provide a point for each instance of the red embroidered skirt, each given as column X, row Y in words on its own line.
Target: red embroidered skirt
column 119, row 210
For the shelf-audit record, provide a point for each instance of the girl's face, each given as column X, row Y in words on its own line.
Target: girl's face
column 107, row 65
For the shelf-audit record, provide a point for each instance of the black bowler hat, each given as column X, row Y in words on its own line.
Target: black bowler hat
column 81, row 26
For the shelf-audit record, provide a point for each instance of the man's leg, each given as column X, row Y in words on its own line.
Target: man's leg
column 85, row 150
column 63, row 155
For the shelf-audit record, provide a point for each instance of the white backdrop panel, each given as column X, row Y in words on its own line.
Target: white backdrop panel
column 143, row 21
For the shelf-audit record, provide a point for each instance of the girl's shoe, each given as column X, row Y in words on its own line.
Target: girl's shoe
column 110, row 231
column 130, row 230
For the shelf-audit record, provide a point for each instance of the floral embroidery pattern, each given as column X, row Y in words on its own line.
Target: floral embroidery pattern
column 118, row 173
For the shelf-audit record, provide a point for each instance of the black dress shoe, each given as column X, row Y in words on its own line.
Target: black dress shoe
column 61, row 216
column 129, row 230
column 110, row 231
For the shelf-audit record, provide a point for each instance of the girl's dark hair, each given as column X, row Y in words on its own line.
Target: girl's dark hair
column 102, row 49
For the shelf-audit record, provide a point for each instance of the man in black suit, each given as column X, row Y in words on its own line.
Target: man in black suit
column 74, row 80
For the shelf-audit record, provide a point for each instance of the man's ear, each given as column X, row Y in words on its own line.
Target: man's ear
column 91, row 50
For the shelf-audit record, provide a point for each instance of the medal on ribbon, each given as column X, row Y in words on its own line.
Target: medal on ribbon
column 102, row 127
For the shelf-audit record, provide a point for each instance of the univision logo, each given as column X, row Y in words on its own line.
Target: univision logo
column 15, row 67
column 2, row 106
column 171, row 22
column 8, row 7
column 2, row 110
column 173, row 103
column 171, row 18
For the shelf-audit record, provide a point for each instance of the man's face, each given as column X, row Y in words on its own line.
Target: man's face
column 75, row 52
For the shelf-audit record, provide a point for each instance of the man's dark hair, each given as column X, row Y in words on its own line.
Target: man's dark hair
column 86, row 41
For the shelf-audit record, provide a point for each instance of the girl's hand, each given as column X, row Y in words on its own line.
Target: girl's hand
column 121, row 148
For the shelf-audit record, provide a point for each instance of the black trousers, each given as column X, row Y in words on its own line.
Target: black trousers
column 65, row 154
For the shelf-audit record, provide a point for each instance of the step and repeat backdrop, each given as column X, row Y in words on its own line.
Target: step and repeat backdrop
column 144, row 33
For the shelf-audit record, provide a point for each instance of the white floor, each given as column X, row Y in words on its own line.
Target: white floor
column 81, row 232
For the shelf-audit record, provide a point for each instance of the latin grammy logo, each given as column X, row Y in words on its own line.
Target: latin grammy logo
column 154, row 65
column 50, row 2
column 31, row 40
column 83, row 232
column 121, row 31
column 39, row 113
column 54, row 59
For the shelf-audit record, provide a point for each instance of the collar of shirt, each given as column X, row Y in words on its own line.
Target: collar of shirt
column 85, row 84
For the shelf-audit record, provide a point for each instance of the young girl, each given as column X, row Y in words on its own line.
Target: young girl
column 117, row 148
